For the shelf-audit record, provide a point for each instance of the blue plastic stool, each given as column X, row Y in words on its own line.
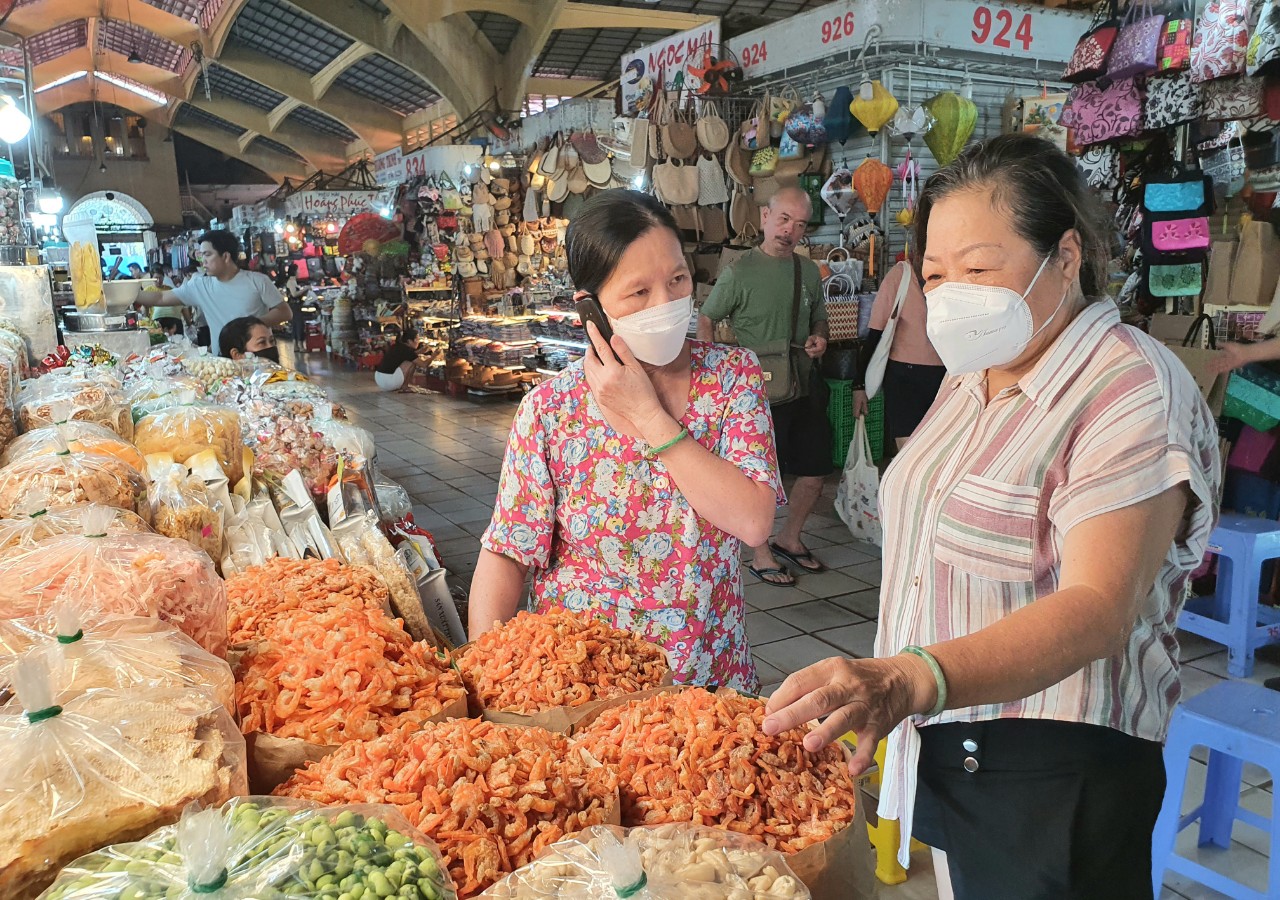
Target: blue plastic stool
column 1232, row 615
column 1238, row 722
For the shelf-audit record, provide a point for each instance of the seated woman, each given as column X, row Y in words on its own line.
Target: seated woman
column 631, row 480
column 248, row 334
column 395, row 372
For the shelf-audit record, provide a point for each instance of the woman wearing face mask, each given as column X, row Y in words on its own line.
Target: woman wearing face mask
column 632, row 478
column 1039, row 530
column 248, row 334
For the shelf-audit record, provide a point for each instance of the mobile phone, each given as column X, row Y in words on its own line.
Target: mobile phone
column 590, row 310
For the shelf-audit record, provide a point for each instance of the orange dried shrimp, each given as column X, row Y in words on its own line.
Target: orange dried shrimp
column 534, row 663
column 340, row 675
column 261, row 594
column 694, row 756
column 491, row 796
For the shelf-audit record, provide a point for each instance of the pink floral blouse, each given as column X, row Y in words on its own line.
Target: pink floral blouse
column 607, row 531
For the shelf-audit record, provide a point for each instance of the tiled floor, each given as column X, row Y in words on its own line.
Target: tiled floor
column 447, row 452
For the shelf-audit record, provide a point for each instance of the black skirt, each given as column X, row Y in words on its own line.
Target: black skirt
column 1040, row 810
column 909, row 391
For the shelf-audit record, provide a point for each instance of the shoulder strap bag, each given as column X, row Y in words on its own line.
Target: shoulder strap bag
column 880, row 358
column 783, row 379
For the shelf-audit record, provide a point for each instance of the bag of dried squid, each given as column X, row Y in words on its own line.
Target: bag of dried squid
column 182, row 507
column 662, row 862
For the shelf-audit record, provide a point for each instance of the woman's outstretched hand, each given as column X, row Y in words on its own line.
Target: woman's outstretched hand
column 619, row 382
column 866, row 696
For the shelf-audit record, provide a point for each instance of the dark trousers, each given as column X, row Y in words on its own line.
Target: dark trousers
column 1040, row 810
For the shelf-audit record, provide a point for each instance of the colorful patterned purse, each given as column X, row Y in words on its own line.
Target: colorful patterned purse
column 1137, row 48
column 1101, row 167
column 1181, row 237
column 1231, row 99
column 1099, row 114
column 1175, row 45
column 1221, row 39
column 1263, row 54
column 1089, row 59
column 1189, row 194
column 1177, row 280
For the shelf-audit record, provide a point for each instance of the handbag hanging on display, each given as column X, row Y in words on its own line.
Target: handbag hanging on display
column 764, row 162
column 1101, row 167
column 1231, row 99
column 676, row 182
column 1104, row 113
column 1175, row 280
column 1263, row 54
column 678, row 134
column 1175, row 43
column 1186, row 193
column 712, row 190
column 1171, row 100
column 1089, row 59
column 1221, row 39
column 1137, row 47
column 711, row 130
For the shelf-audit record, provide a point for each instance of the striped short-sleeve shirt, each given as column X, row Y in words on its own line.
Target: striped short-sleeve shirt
column 977, row 506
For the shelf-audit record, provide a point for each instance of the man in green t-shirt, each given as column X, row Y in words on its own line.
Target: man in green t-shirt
column 757, row 295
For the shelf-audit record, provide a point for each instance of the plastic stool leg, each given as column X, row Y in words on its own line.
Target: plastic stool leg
column 1221, row 799
column 1244, row 615
column 1177, row 756
column 885, row 836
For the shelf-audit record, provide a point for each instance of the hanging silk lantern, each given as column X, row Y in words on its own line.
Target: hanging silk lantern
column 954, row 120
column 872, row 181
column 874, row 106
column 839, row 120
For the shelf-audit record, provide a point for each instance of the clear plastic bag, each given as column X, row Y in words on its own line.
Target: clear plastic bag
column 394, row 503
column 129, row 574
column 39, row 523
column 285, row 444
column 74, row 396
column 78, row 437
column 264, row 848
column 664, row 862
column 208, row 369
column 155, row 391
column 361, row 542
column 86, row 653
column 183, row 509
column 352, row 440
column 190, row 428
column 108, row 765
column 65, row 478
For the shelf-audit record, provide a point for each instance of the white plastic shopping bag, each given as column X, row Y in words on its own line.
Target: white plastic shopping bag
column 858, row 497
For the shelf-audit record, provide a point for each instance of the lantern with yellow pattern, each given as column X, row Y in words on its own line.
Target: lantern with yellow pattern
column 873, row 106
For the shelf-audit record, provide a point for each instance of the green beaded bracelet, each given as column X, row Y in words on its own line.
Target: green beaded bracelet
column 939, row 679
column 654, row 451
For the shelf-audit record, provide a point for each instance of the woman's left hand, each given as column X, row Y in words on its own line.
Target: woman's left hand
column 619, row 383
column 866, row 696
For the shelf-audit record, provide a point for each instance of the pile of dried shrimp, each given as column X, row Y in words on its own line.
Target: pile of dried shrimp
column 534, row 663
column 347, row 673
column 694, row 756
column 261, row 594
column 491, row 796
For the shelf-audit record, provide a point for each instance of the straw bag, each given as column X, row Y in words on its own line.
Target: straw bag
column 712, row 131
column 640, row 144
column 711, row 187
column 676, row 183
column 550, row 164
column 743, row 211
column 678, row 134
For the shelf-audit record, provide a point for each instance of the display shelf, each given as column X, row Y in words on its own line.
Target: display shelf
column 560, row 342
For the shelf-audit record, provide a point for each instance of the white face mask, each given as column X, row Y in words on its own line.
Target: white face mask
column 656, row 335
column 977, row 326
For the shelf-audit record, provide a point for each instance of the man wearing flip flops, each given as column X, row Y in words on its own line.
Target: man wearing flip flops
column 756, row 295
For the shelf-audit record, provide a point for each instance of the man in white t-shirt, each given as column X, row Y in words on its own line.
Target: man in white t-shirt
column 225, row 291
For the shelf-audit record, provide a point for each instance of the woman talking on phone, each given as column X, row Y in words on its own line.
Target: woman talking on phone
column 632, row 478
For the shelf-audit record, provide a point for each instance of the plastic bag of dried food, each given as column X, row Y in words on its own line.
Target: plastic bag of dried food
column 109, row 765
column 266, row 847
column 51, row 399
column 352, row 440
column 88, row 652
column 15, row 345
column 666, row 862
column 129, row 574
column 11, row 369
column 78, row 437
column 182, row 508
column 393, row 501
column 154, row 391
column 39, row 523
column 65, row 478
column 190, row 428
column 362, row 543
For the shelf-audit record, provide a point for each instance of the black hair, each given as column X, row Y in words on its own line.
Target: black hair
column 1041, row 189
column 408, row 336
column 223, row 241
column 605, row 227
column 235, row 334
column 292, row 271
column 170, row 322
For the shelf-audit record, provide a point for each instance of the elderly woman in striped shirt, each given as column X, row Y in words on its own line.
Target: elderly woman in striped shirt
column 1039, row 530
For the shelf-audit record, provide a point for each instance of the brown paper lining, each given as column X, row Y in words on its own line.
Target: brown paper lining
column 273, row 760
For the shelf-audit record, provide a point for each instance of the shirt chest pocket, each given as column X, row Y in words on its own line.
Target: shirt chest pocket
column 987, row 528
